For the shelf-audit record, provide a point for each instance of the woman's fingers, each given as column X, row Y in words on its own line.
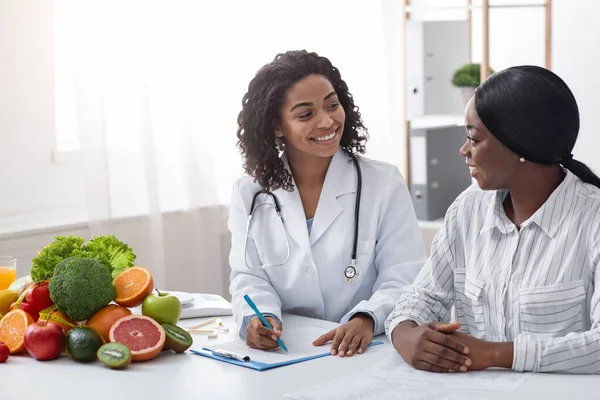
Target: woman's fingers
column 353, row 346
column 446, row 341
column 337, row 341
column 260, row 337
column 436, row 359
column 445, row 327
column 425, row 366
column 364, row 345
column 321, row 340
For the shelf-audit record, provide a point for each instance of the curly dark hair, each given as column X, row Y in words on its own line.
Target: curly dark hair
column 260, row 114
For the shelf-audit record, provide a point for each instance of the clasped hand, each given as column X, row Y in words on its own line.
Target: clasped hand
column 438, row 347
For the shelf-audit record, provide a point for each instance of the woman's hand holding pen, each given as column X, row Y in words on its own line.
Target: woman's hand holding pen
column 260, row 337
column 430, row 347
column 351, row 338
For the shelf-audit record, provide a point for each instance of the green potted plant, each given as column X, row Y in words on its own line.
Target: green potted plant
column 467, row 78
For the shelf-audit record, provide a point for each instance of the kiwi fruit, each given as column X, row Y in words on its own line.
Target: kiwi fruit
column 177, row 339
column 114, row 355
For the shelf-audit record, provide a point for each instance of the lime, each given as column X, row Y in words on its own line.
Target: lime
column 83, row 343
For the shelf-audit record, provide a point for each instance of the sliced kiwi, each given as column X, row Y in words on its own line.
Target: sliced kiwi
column 178, row 339
column 114, row 355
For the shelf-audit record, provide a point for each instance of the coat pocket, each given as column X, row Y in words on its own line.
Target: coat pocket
column 469, row 296
column 365, row 258
column 552, row 311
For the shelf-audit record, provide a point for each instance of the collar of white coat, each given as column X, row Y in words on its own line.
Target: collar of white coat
column 548, row 217
column 341, row 179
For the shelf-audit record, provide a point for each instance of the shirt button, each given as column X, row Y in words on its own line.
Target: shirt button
column 310, row 270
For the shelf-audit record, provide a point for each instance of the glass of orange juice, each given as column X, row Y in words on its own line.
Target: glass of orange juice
column 8, row 271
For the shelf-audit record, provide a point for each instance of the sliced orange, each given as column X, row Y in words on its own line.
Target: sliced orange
column 12, row 330
column 133, row 285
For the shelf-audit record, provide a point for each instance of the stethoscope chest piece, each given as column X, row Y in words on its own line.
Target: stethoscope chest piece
column 352, row 273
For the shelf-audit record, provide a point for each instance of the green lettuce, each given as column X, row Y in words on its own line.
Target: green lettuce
column 109, row 250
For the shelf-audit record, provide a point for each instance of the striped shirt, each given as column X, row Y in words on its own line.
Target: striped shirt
column 534, row 286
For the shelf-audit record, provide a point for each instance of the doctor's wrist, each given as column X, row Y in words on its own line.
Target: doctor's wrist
column 364, row 318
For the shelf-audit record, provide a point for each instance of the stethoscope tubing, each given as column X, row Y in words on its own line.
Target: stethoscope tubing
column 350, row 272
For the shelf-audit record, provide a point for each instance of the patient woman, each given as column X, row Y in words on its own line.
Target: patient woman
column 516, row 263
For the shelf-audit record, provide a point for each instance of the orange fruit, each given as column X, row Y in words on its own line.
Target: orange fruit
column 65, row 322
column 142, row 335
column 12, row 330
column 133, row 285
column 104, row 319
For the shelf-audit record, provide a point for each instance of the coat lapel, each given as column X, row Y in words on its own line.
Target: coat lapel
column 340, row 180
column 293, row 213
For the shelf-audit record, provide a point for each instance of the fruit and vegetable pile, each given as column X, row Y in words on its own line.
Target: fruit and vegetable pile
column 77, row 300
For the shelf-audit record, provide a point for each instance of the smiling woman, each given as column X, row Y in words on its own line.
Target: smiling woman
column 346, row 257
column 303, row 97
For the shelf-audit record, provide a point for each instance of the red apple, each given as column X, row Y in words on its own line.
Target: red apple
column 38, row 296
column 29, row 309
column 4, row 352
column 44, row 340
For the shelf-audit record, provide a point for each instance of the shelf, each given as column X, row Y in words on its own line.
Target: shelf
column 416, row 8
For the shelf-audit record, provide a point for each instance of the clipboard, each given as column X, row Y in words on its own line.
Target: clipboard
column 261, row 366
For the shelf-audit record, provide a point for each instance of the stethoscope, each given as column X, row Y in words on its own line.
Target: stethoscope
column 352, row 271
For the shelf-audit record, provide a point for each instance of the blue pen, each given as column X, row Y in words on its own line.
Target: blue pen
column 263, row 320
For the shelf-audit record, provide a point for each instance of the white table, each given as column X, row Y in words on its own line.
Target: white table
column 189, row 376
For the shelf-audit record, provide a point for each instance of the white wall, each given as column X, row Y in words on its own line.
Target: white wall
column 191, row 267
column 37, row 192
column 34, row 190
column 517, row 37
column 576, row 57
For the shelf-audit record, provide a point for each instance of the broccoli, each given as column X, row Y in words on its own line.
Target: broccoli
column 110, row 249
column 81, row 286
column 63, row 246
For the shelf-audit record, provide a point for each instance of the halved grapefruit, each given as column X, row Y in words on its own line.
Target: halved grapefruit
column 144, row 336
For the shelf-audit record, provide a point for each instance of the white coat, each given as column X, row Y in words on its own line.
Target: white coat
column 312, row 283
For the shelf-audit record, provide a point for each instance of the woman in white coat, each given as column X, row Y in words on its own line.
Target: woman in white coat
column 300, row 135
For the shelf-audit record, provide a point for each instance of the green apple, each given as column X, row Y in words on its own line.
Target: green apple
column 162, row 307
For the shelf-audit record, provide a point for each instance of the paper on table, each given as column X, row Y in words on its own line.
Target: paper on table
column 298, row 341
column 376, row 388
column 491, row 379
column 394, row 379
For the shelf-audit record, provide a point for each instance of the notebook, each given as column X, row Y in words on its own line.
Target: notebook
column 197, row 305
column 206, row 305
column 297, row 337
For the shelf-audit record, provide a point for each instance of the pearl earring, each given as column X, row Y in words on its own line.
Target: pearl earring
column 522, row 159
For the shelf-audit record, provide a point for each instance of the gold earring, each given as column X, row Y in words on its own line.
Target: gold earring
column 522, row 159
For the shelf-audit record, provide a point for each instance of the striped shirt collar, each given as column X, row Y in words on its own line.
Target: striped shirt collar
column 548, row 217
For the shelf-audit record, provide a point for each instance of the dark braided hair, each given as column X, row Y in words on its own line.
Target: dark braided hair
column 260, row 114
